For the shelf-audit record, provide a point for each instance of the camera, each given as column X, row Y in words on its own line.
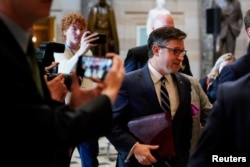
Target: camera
column 93, row 66
column 45, row 54
column 67, row 79
column 45, row 57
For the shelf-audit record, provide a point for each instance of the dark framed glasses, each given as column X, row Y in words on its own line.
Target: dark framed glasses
column 175, row 51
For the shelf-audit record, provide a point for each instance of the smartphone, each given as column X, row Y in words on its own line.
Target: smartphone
column 93, row 66
column 101, row 40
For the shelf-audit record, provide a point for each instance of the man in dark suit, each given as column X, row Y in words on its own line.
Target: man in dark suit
column 35, row 130
column 241, row 66
column 137, row 57
column 226, row 133
column 140, row 96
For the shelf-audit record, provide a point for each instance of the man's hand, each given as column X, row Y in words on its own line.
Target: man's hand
column 110, row 86
column 143, row 154
column 53, row 64
column 57, row 88
column 80, row 96
column 114, row 77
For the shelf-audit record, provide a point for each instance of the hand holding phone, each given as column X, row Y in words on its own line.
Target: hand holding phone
column 102, row 39
column 93, row 66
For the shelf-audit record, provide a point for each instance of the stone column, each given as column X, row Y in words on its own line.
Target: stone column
column 206, row 40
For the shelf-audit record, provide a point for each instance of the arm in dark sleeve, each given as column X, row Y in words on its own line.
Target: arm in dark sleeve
column 186, row 64
column 226, row 74
column 130, row 62
column 91, row 120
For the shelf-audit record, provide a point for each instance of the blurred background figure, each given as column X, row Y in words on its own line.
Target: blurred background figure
column 226, row 133
column 210, row 82
column 201, row 108
column 137, row 56
column 159, row 9
column 102, row 20
column 242, row 65
column 78, row 42
column 231, row 23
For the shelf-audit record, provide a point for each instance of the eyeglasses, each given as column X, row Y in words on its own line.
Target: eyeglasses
column 176, row 51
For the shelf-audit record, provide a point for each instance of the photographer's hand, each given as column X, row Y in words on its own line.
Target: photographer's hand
column 110, row 86
column 57, row 88
column 53, row 64
column 80, row 96
column 86, row 42
column 114, row 77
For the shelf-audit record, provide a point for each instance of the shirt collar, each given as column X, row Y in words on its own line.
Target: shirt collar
column 155, row 75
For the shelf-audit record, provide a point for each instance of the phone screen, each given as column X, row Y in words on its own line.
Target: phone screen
column 93, row 66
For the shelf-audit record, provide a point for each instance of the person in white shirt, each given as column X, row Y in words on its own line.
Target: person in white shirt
column 78, row 42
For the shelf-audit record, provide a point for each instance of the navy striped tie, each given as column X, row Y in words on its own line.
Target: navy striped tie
column 165, row 103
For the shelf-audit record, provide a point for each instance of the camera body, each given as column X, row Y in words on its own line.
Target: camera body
column 45, row 57
column 67, row 79
column 45, row 54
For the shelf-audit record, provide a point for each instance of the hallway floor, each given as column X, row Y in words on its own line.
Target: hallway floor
column 107, row 155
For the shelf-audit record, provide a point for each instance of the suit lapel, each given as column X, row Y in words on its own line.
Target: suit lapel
column 147, row 84
column 184, row 92
column 18, row 56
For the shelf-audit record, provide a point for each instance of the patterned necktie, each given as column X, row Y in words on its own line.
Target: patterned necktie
column 34, row 67
column 165, row 103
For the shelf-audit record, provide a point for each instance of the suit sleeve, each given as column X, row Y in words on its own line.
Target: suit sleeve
column 226, row 75
column 130, row 62
column 91, row 120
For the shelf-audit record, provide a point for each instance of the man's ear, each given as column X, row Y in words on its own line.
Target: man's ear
column 155, row 49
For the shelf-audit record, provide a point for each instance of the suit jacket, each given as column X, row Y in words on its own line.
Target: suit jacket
column 226, row 132
column 237, row 69
column 36, row 125
column 211, row 88
column 137, row 97
column 248, row 48
column 137, row 57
